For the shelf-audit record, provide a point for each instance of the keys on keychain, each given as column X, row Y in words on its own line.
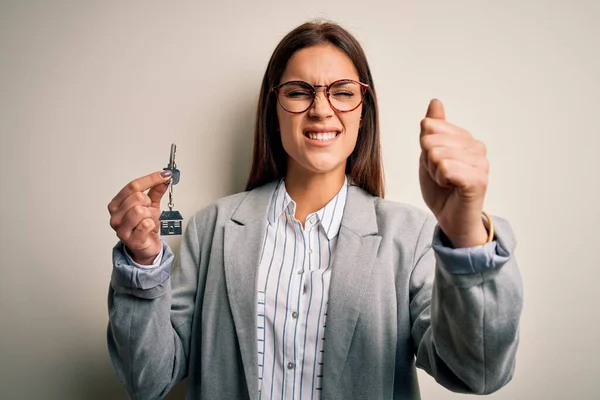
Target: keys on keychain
column 172, row 166
column 171, row 221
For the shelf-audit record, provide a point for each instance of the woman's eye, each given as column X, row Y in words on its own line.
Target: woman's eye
column 343, row 94
column 298, row 94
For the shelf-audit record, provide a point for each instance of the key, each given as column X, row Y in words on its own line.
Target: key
column 172, row 166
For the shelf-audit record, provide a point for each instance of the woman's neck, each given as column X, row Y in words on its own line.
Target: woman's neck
column 311, row 192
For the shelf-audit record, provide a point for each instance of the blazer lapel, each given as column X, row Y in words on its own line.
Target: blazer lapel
column 244, row 236
column 353, row 262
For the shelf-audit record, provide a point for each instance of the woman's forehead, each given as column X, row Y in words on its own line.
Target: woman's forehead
column 321, row 64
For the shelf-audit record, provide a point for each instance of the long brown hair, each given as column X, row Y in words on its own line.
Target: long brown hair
column 364, row 165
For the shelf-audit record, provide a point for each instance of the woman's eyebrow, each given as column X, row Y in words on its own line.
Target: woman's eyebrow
column 328, row 82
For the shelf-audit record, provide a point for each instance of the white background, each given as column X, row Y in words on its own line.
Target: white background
column 92, row 94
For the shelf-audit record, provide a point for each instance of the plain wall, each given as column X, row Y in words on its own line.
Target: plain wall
column 92, row 93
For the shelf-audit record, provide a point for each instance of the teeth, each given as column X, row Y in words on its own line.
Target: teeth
column 322, row 136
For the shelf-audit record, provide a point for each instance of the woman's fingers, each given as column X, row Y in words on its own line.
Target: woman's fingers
column 140, row 185
column 134, row 199
column 134, row 216
column 141, row 237
column 470, row 156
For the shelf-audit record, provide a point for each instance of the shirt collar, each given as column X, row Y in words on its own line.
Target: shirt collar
column 330, row 216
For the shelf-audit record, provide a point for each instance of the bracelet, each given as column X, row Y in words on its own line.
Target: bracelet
column 489, row 226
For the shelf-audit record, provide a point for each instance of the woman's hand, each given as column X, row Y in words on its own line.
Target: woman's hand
column 453, row 173
column 135, row 215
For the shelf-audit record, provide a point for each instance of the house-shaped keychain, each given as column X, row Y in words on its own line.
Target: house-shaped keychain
column 170, row 222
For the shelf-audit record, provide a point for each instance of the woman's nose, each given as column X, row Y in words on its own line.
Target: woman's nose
column 321, row 107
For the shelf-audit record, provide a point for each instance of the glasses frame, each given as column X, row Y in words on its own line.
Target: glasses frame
column 363, row 89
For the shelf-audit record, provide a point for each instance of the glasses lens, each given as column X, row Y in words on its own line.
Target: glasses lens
column 345, row 95
column 296, row 96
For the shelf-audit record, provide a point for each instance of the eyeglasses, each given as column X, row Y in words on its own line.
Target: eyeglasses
column 343, row 95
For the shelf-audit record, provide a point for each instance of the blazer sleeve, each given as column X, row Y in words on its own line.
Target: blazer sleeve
column 465, row 308
column 151, row 311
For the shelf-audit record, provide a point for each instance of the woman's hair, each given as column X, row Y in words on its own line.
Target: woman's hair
column 269, row 162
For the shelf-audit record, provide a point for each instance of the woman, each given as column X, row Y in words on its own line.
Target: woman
column 310, row 285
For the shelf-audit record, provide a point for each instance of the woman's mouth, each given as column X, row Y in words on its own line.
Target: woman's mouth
column 322, row 136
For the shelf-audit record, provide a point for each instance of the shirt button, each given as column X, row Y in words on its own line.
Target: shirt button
column 300, row 271
column 309, row 251
column 294, row 315
column 313, row 220
column 291, row 365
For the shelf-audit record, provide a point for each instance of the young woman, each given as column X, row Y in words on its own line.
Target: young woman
column 309, row 284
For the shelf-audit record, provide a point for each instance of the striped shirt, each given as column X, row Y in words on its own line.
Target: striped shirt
column 293, row 288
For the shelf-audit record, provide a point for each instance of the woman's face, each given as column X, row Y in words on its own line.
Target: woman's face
column 319, row 140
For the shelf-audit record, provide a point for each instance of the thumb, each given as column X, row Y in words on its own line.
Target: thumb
column 436, row 110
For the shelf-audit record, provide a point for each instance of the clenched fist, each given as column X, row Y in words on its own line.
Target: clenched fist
column 453, row 173
column 134, row 215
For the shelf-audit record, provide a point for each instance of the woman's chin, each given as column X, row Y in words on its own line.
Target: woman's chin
column 324, row 167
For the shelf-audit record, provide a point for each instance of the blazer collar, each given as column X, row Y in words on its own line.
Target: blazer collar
column 255, row 205
column 359, row 214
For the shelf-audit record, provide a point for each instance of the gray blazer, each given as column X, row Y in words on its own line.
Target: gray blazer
column 394, row 304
